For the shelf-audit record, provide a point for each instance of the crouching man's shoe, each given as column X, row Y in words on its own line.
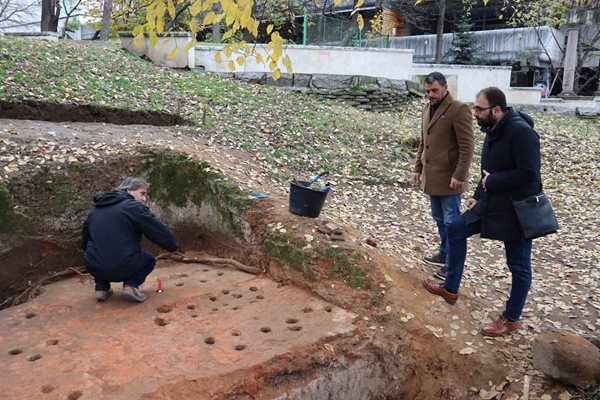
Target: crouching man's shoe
column 500, row 327
column 103, row 295
column 133, row 294
column 439, row 290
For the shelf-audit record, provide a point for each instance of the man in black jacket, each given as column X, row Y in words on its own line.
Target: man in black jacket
column 112, row 236
column 510, row 170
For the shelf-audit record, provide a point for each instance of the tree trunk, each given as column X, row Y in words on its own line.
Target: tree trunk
column 350, row 32
column 50, row 13
column 216, row 33
column 440, row 32
column 106, row 13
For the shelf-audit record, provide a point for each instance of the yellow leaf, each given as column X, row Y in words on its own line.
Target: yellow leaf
column 171, row 8
column 247, row 49
column 195, row 8
column 272, row 66
column 276, row 74
column 337, row 2
column 227, row 51
column 288, row 64
column 231, row 66
column 139, row 40
column 227, row 34
column 360, row 21
column 235, row 46
column 218, row 57
column 387, row 278
column 209, row 18
column 269, row 29
column 193, row 25
column 172, row 54
column 190, row 44
column 359, row 3
column 153, row 38
column 258, row 58
column 240, row 60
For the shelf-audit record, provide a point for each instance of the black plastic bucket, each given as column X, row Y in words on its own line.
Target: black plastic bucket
column 305, row 201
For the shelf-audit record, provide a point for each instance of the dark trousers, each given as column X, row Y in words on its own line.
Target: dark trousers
column 518, row 258
column 135, row 279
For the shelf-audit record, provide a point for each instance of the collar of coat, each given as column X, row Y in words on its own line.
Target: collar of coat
column 446, row 102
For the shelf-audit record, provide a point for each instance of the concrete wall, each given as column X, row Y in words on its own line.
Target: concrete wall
column 382, row 63
column 500, row 45
column 159, row 52
column 464, row 81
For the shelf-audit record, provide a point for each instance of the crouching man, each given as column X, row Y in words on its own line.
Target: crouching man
column 112, row 236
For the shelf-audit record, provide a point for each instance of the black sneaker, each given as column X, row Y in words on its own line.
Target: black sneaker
column 436, row 259
column 441, row 273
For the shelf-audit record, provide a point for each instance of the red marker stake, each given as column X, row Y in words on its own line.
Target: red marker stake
column 159, row 288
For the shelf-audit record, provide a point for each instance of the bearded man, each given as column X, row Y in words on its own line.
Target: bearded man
column 510, row 170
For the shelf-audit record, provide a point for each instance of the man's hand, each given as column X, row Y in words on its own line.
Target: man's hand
column 456, row 184
column 483, row 181
column 416, row 178
column 470, row 203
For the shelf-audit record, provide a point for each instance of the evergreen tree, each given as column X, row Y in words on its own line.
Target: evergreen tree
column 465, row 43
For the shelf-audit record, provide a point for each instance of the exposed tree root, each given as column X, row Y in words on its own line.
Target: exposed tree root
column 210, row 261
column 33, row 290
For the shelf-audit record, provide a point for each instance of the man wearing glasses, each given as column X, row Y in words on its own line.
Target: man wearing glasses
column 510, row 170
column 443, row 159
column 112, row 236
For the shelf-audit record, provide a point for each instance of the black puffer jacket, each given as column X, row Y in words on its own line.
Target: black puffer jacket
column 511, row 154
column 112, row 234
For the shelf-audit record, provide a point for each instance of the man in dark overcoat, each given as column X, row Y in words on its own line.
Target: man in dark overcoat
column 510, row 170
column 443, row 158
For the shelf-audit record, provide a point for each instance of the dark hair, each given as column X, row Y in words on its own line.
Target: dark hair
column 494, row 96
column 435, row 76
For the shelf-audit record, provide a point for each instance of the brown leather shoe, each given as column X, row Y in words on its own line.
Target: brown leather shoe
column 500, row 327
column 439, row 290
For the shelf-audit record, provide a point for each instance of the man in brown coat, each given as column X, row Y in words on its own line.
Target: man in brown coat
column 443, row 159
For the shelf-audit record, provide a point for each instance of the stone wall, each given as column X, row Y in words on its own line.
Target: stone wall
column 364, row 92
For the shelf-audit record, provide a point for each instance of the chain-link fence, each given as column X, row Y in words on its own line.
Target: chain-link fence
column 324, row 30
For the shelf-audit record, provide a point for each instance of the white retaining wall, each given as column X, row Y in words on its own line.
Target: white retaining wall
column 382, row 63
column 464, row 81
column 159, row 53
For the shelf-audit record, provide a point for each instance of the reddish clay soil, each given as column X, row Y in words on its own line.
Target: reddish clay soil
column 426, row 348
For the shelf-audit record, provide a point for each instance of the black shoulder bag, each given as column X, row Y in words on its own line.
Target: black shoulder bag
column 536, row 216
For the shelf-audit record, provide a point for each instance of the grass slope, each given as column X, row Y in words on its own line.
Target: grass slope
column 293, row 132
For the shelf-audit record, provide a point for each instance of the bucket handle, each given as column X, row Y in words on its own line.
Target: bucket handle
column 317, row 177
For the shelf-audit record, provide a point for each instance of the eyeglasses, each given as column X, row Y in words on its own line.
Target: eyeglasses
column 478, row 109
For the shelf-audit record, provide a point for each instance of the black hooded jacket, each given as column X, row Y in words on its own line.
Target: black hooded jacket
column 112, row 233
column 511, row 154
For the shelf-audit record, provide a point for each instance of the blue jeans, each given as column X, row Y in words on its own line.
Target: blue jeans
column 518, row 258
column 444, row 210
column 138, row 277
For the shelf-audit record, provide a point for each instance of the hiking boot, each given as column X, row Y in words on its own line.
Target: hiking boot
column 439, row 290
column 436, row 259
column 500, row 327
column 103, row 295
column 441, row 273
column 133, row 294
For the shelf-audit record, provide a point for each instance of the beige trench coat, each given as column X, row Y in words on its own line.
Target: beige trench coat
column 446, row 147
